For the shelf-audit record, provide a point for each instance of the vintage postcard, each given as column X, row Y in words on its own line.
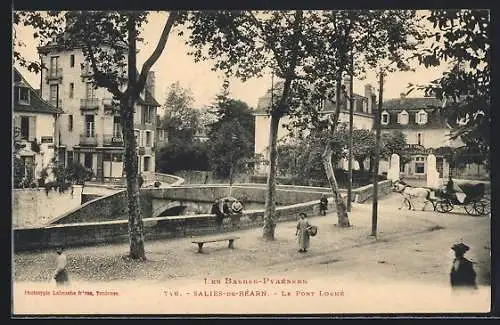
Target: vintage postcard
column 251, row 162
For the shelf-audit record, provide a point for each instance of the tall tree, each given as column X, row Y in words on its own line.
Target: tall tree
column 367, row 36
column 108, row 39
column 180, row 119
column 244, row 44
column 231, row 136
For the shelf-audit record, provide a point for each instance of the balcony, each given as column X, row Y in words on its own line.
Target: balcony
column 89, row 104
column 86, row 140
column 54, row 75
column 113, row 140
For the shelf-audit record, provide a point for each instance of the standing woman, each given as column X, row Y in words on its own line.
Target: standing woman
column 60, row 274
column 302, row 233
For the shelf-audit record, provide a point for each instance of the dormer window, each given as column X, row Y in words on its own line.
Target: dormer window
column 421, row 117
column 403, row 117
column 23, row 96
column 385, row 118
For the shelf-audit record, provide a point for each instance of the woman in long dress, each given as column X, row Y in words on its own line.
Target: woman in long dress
column 302, row 233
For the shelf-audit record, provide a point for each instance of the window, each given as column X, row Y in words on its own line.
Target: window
column 403, row 117
column 70, row 157
column 420, row 139
column 117, row 157
column 54, row 65
column 89, row 126
column 25, row 127
column 137, row 135
column 72, row 61
column 146, row 163
column 71, row 90
column 147, row 114
column 117, row 129
column 70, row 122
column 385, row 118
column 89, row 90
column 53, row 94
column 419, row 165
column 149, row 142
column 421, row 117
column 24, row 96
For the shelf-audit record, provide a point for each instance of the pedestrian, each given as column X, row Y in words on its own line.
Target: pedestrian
column 225, row 208
column 323, row 205
column 462, row 273
column 140, row 180
column 237, row 211
column 60, row 274
column 219, row 216
column 302, row 233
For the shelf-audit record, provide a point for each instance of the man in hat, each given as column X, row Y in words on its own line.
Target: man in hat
column 462, row 272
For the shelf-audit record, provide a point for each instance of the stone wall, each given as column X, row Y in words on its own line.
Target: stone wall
column 91, row 233
column 365, row 193
column 35, row 207
column 106, row 208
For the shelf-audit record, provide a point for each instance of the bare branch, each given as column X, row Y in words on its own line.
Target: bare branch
column 100, row 77
column 158, row 50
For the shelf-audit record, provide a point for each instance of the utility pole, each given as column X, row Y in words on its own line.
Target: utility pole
column 377, row 154
column 351, row 118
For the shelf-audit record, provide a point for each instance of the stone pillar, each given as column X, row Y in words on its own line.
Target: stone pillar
column 393, row 173
column 432, row 173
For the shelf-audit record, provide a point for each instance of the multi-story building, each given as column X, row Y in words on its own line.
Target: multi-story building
column 90, row 128
column 36, row 122
column 426, row 130
column 363, row 117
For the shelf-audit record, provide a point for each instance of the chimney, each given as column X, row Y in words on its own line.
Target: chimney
column 150, row 83
column 368, row 95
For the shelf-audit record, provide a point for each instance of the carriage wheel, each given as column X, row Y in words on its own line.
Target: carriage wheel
column 481, row 207
column 444, row 206
column 475, row 208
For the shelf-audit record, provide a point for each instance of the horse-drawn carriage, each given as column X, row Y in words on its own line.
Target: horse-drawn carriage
column 471, row 196
column 474, row 200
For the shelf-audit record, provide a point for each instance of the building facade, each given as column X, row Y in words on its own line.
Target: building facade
column 90, row 128
column 426, row 130
column 363, row 118
column 35, row 122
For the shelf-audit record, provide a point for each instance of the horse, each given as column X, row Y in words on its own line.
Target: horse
column 411, row 193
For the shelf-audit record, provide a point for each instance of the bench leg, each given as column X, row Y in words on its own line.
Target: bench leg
column 230, row 243
column 200, row 247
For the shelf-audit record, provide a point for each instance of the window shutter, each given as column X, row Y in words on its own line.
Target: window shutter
column 32, row 128
column 143, row 114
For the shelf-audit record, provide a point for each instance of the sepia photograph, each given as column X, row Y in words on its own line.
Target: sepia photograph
column 251, row 162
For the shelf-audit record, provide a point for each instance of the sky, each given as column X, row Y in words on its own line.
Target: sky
column 176, row 65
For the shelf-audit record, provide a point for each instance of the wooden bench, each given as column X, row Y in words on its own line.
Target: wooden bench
column 200, row 242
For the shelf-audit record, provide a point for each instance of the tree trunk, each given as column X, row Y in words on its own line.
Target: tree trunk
column 270, row 210
column 339, row 203
column 135, row 224
column 361, row 163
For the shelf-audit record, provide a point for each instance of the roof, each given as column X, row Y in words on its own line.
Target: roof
column 411, row 103
column 37, row 104
column 149, row 100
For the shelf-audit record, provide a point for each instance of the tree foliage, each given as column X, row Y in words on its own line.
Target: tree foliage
column 231, row 136
column 181, row 120
column 462, row 39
